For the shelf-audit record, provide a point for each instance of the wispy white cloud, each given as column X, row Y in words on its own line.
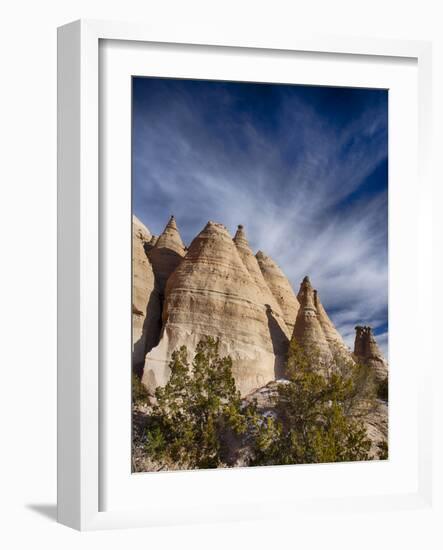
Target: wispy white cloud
column 295, row 189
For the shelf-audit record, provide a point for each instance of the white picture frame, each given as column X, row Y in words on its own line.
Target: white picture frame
column 80, row 411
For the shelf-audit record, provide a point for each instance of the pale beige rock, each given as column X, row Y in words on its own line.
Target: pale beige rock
column 146, row 311
column 280, row 287
column 166, row 254
column 376, row 424
column 140, row 231
column 153, row 240
column 366, row 351
column 212, row 293
column 308, row 331
column 333, row 337
column 282, row 332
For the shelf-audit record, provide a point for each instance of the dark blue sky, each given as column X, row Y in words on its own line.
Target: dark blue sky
column 303, row 168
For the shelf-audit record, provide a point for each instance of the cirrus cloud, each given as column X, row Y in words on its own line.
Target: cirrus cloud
column 303, row 168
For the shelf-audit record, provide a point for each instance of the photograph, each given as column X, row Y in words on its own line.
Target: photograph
column 259, row 274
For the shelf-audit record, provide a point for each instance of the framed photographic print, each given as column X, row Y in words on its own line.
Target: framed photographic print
column 240, row 234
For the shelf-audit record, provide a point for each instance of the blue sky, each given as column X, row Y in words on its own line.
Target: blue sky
column 303, row 168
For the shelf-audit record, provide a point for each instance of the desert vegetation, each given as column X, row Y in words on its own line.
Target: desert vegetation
column 316, row 414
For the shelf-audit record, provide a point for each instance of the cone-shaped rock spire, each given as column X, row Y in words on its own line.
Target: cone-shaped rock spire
column 146, row 311
column 170, row 238
column 280, row 287
column 167, row 253
column 366, row 351
column 308, row 331
column 335, row 341
column 280, row 331
column 212, row 293
column 240, row 237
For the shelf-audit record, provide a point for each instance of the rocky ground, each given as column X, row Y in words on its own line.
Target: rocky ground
column 376, row 424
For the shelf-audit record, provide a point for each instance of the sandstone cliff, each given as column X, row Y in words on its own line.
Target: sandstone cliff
column 219, row 288
column 333, row 337
column 146, row 310
column 264, row 295
column 211, row 292
column 166, row 253
column 280, row 287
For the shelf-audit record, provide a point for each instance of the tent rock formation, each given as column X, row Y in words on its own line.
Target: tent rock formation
column 166, row 253
column 308, row 331
column 333, row 337
column 146, row 310
column 219, row 288
column 367, row 352
column 280, row 288
column 211, row 292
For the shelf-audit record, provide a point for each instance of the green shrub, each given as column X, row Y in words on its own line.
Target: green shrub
column 139, row 392
column 198, row 405
column 319, row 413
column 383, row 450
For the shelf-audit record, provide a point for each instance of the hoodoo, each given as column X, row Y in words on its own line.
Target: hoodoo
column 333, row 337
column 167, row 253
column 146, row 311
column 212, row 293
column 308, row 331
column 280, row 288
column 281, row 330
column 366, row 351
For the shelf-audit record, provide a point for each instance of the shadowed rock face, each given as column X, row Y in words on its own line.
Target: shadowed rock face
column 333, row 337
column 212, row 293
column 166, row 254
column 367, row 352
column 280, row 287
column 308, row 331
column 266, row 297
column 146, row 310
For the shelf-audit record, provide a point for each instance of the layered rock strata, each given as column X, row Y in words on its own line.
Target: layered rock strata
column 333, row 337
column 280, row 332
column 280, row 287
column 366, row 351
column 166, row 253
column 146, row 309
column 308, row 331
column 211, row 292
